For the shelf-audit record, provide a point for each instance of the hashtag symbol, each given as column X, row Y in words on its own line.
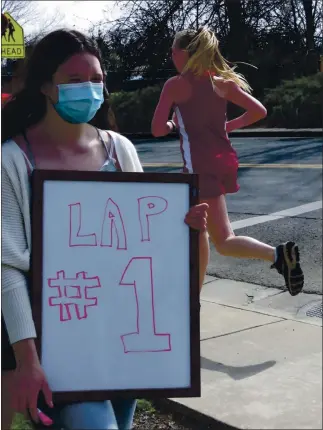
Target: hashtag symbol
column 73, row 293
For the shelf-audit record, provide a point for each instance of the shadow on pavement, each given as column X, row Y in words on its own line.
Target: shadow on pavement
column 236, row 372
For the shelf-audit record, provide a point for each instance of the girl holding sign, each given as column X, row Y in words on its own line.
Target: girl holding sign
column 199, row 96
column 57, row 121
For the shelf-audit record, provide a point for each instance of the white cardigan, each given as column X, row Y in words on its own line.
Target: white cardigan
column 16, row 232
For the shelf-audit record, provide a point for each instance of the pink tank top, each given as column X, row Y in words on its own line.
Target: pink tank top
column 205, row 145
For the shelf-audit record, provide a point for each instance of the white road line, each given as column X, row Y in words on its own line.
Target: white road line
column 309, row 207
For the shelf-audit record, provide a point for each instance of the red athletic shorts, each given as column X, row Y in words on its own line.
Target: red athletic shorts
column 222, row 180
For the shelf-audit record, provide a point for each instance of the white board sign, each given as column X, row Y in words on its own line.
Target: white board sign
column 115, row 284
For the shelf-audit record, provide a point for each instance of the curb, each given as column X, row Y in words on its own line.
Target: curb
column 241, row 165
column 278, row 132
column 261, row 132
column 297, row 315
column 171, row 406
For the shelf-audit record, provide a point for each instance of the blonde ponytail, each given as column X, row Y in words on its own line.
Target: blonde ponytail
column 205, row 56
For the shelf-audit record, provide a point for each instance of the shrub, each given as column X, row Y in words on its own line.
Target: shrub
column 134, row 110
column 293, row 104
column 296, row 104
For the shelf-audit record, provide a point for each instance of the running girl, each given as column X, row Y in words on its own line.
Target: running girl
column 199, row 96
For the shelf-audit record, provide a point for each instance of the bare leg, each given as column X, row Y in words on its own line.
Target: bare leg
column 224, row 239
column 204, row 256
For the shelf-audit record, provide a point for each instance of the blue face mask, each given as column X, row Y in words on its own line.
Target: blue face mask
column 78, row 103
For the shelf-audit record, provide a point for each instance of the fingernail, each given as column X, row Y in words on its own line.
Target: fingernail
column 45, row 419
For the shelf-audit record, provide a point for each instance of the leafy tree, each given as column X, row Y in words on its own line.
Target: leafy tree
column 280, row 37
column 27, row 12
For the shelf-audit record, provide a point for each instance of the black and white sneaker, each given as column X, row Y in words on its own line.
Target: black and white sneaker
column 287, row 264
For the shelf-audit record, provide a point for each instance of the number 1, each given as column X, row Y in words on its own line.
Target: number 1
column 139, row 274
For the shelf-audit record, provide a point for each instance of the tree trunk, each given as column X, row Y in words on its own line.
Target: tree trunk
column 309, row 18
column 237, row 33
column 197, row 24
column 312, row 60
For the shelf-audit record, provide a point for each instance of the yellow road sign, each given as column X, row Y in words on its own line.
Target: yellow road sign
column 12, row 39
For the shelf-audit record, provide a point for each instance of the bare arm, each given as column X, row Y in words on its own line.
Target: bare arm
column 25, row 353
column 255, row 111
column 161, row 126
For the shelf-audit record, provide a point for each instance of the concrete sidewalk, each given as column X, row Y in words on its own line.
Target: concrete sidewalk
column 261, row 357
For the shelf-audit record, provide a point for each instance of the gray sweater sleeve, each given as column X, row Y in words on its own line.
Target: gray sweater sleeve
column 15, row 259
column 16, row 234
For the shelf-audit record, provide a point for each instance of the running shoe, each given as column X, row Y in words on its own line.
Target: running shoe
column 287, row 264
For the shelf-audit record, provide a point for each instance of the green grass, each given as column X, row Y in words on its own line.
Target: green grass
column 20, row 423
column 145, row 406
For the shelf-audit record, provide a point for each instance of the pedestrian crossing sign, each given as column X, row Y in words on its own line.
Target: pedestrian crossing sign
column 12, row 38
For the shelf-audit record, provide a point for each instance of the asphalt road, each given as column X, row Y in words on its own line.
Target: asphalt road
column 292, row 177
